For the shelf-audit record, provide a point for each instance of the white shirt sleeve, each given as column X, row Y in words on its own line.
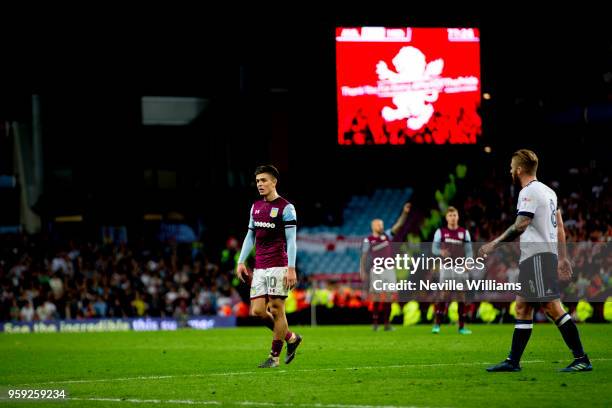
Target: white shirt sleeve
column 365, row 246
column 527, row 202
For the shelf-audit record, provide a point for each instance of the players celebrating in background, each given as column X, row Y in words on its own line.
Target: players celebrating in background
column 375, row 245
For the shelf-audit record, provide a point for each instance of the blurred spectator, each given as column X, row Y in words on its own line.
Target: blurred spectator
column 27, row 312
column 57, row 286
column 512, row 273
column 48, row 310
column 100, row 307
column 140, row 307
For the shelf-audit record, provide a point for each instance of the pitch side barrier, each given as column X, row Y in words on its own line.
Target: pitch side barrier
column 112, row 325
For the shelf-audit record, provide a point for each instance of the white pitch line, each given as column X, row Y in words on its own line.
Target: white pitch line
column 158, row 377
column 148, row 401
column 153, row 377
column 161, row 377
column 368, row 367
column 242, row 403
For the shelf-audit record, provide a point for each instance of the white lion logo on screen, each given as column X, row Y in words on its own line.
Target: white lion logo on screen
column 416, row 106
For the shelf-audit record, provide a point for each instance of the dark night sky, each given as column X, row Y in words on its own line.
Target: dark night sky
column 529, row 58
column 198, row 54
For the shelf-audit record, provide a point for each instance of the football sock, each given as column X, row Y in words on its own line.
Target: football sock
column 386, row 310
column 520, row 338
column 277, row 347
column 375, row 313
column 439, row 308
column 461, row 311
column 569, row 331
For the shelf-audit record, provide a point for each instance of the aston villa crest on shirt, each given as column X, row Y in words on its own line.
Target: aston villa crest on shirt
column 460, row 235
column 274, row 212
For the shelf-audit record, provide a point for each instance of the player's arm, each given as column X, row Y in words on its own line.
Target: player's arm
column 247, row 247
column 564, row 269
column 290, row 223
column 365, row 248
column 527, row 204
column 467, row 246
column 401, row 220
column 520, row 225
column 514, row 231
column 436, row 245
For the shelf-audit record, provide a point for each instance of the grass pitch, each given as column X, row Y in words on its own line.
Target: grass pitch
column 336, row 367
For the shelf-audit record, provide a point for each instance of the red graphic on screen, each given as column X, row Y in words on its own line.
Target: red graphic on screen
column 408, row 85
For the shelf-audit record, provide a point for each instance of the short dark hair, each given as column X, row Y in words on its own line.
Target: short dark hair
column 267, row 168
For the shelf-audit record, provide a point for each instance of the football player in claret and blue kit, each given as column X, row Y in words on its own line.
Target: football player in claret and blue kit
column 272, row 231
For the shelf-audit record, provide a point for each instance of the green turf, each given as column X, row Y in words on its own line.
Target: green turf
column 336, row 367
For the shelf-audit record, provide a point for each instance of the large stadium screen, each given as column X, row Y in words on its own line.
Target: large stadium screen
column 398, row 86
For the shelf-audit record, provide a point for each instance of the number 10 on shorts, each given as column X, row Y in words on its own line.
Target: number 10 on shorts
column 271, row 282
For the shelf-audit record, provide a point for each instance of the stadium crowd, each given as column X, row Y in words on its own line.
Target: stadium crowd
column 79, row 280
column 88, row 281
column 585, row 199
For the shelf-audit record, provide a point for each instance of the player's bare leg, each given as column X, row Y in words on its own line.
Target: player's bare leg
column 281, row 328
column 259, row 309
column 277, row 309
column 262, row 311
